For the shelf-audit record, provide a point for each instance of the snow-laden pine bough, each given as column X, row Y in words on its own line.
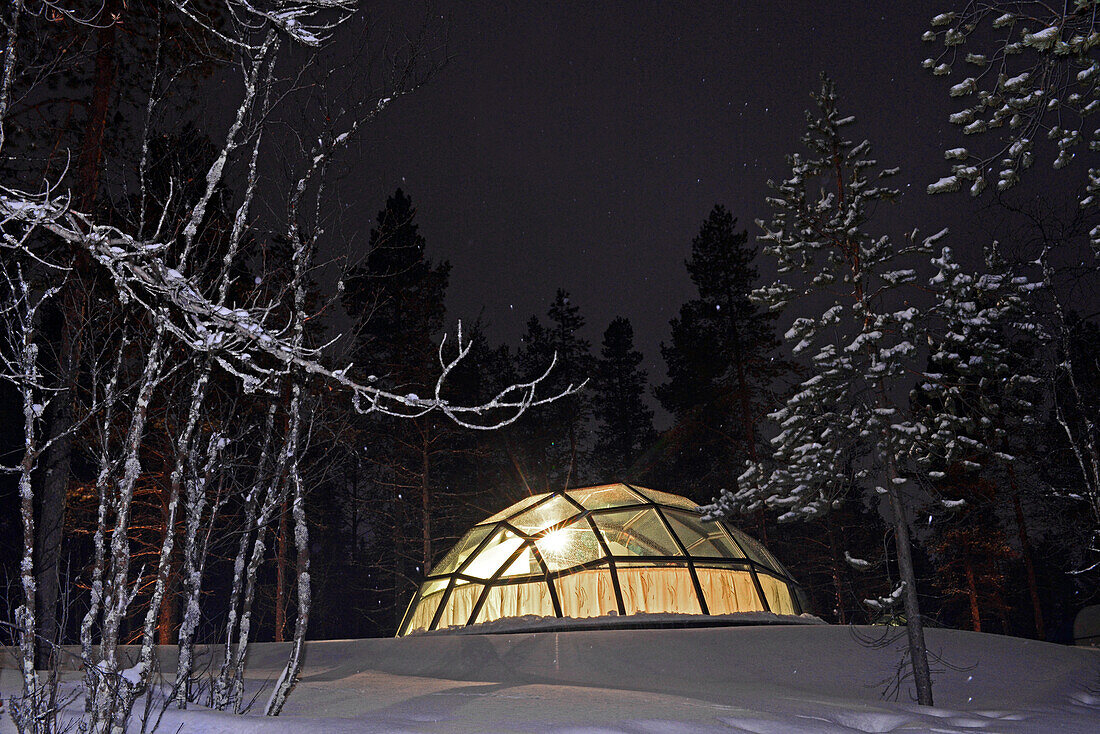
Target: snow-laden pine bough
column 177, row 321
column 1031, row 78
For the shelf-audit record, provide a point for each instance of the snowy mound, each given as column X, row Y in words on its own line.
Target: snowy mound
column 763, row 679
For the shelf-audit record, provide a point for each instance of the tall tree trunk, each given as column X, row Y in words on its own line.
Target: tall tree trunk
column 280, row 577
column 748, row 421
column 914, row 625
column 572, row 453
column 425, row 498
column 972, row 595
column 289, row 677
column 166, row 620
column 1029, row 564
column 398, row 551
column 58, row 458
column 90, row 157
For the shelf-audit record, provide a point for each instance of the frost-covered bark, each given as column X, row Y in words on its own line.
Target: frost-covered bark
column 1077, row 421
column 241, row 585
column 289, row 676
column 194, row 558
column 190, row 317
column 33, row 712
column 9, row 20
column 303, row 255
column 116, row 690
column 99, row 538
column 842, row 431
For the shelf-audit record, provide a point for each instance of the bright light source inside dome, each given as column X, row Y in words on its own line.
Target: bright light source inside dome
column 555, row 541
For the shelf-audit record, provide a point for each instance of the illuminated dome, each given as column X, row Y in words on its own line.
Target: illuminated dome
column 608, row 550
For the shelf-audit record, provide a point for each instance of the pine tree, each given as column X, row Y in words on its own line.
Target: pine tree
column 396, row 297
column 549, row 444
column 976, row 400
column 840, row 433
column 625, row 427
column 721, row 361
column 977, row 390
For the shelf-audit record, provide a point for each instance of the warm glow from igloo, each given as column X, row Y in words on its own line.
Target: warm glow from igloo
column 609, row 550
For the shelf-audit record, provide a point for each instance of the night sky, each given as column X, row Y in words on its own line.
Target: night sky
column 581, row 145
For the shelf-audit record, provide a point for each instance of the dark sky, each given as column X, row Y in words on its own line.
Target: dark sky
column 581, row 145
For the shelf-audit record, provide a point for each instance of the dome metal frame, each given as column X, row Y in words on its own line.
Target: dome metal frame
column 677, row 516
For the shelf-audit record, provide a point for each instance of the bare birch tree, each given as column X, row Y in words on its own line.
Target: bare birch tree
column 185, row 317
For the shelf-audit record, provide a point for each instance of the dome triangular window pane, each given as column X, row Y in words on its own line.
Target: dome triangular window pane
column 572, row 545
column 542, row 516
column 497, row 552
column 609, row 495
column 701, row 538
column 636, row 533
column 517, row 507
column 460, row 552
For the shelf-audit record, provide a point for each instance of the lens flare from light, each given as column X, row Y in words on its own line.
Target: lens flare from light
column 554, row 542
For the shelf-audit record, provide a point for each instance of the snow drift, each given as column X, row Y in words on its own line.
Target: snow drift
column 760, row 679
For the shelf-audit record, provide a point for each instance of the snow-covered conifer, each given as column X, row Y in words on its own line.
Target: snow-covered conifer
column 842, row 432
column 977, row 389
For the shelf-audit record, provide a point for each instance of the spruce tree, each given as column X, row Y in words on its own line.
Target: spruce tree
column 841, row 433
column 395, row 297
column 625, row 422
column 721, row 361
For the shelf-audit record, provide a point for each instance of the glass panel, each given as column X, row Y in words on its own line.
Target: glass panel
column 655, row 589
column 460, row 552
column 423, row 614
column 520, row 506
column 588, row 593
column 777, row 593
column 460, row 605
column 496, row 553
column 636, row 533
column 569, row 546
column 702, row 539
column 728, row 590
column 525, row 564
column 431, row 587
column 755, row 550
column 517, row 600
column 543, row 516
column 664, row 498
column 610, row 495
column 431, row 593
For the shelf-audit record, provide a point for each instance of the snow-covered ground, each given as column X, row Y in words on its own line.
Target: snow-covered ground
column 759, row 679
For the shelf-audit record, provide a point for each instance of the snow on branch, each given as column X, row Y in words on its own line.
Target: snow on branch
column 308, row 22
column 237, row 337
column 889, row 601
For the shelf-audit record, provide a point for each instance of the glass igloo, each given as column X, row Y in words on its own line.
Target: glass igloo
column 615, row 549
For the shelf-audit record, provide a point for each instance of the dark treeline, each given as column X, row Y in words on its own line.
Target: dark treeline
column 390, row 495
column 396, row 494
